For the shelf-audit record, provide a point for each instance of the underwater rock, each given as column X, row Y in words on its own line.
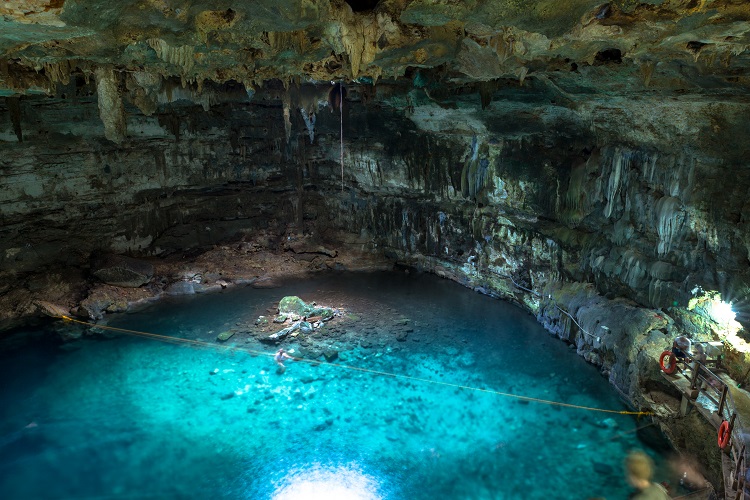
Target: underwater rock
column 280, row 318
column 223, row 336
column 305, row 327
column 330, row 355
column 605, row 469
column 323, row 426
column 401, row 336
column 608, row 423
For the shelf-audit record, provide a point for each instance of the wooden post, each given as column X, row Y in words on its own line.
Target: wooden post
column 738, row 469
column 694, row 390
column 684, row 405
column 723, row 400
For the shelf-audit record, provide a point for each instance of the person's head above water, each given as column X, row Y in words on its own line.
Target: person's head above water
column 639, row 468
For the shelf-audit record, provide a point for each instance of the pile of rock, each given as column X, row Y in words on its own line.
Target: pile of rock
column 302, row 318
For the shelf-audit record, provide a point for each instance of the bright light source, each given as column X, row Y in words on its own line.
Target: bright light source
column 320, row 483
column 721, row 312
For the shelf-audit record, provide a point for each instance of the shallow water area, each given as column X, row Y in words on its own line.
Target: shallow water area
column 415, row 406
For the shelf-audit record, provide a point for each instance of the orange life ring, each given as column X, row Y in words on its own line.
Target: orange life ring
column 672, row 362
column 724, row 434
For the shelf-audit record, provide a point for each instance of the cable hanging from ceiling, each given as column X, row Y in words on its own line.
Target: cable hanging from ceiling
column 341, row 131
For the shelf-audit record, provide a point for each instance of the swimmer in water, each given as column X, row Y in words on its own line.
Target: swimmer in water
column 280, row 357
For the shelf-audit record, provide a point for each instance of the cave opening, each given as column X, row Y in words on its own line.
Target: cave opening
column 362, row 5
column 608, row 56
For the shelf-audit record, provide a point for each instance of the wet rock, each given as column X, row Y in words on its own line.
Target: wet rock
column 224, row 336
column 305, row 327
column 284, row 332
column 330, row 355
column 100, row 301
column 293, row 305
column 280, row 318
column 181, row 288
column 119, row 270
column 51, row 309
column 305, row 246
column 402, row 335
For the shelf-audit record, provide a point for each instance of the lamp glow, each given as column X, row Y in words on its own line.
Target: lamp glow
column 319, row 483
column 721, row 312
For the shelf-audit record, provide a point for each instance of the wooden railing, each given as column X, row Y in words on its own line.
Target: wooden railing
column 706, row 382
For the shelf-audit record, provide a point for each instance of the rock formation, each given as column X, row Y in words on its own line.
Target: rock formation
column 585, row 160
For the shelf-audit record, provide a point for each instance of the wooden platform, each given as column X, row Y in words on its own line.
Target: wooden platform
column 690, row 397
column 682, row 384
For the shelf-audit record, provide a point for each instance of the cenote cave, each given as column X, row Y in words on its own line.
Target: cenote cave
column 378, row 250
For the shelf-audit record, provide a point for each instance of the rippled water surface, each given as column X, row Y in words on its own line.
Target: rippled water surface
column 121, row 416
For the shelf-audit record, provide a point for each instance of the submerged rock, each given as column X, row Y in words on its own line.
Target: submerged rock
column 223, row 336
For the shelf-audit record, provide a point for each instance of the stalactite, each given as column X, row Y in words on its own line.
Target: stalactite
column 668, row 222
column 179, row 56
column 294, row 40
column 14, row 109
column 309, row 119
column 59, row 72
column 522, row 72
column 359, row 35
column 249, row 89
column 286, row 104
column 111, row 109
column 144, row 90
column 486, row 89
column 647, row 70
column 620, row 167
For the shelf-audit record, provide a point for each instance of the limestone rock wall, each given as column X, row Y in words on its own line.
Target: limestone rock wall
column 584, row 213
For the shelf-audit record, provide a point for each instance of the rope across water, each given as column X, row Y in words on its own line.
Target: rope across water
column 199, row 343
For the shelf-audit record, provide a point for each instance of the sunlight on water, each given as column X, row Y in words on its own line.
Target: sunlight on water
column 325, row 483
column 225, row 423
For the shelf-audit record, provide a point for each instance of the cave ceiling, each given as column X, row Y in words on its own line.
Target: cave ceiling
column 574, row 48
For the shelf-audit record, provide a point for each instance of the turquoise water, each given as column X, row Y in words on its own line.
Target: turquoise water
column 119, row 416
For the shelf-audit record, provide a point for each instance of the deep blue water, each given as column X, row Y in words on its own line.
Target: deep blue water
column 120, row 416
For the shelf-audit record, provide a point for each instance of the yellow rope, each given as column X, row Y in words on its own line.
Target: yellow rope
column 199, row 343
